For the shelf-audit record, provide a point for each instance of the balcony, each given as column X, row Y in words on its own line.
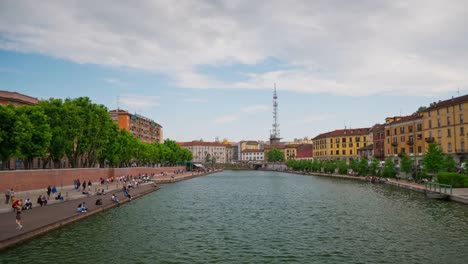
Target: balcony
column 394, row 144
column 410, row 142
column 460, row 151
column 429, row 139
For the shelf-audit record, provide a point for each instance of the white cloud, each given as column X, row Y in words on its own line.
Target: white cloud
column 135, row 102
column 115, row 81
column 225, row 119
column 254, row 108
column 364, row 47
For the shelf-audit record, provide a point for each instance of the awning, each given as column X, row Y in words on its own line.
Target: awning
column 198, row 165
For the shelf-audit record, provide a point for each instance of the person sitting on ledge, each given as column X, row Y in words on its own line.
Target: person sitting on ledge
column 27, row 204
column 114, row 198
column 101, row 192
column 98, row 202
column 59, row 196
column 81, row 208
column 85, row 192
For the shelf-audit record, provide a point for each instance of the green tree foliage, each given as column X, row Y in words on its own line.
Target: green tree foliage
column 389, row 169
column 363, row 167
column 80, row 131
column 420, row 110
column 354, row 165
column 32, row 133
column 342, row 167
column 434, row 159
column 406, row 163
column 449, row 164
column 8, row 146
column 453, row 178
column 275, row 155
column 374, row 166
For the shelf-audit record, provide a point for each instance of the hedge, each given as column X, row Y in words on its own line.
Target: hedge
column 453, row 178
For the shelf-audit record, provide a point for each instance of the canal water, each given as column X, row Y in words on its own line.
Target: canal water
column 262, row 217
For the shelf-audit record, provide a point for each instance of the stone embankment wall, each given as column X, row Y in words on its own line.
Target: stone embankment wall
column 24, row 180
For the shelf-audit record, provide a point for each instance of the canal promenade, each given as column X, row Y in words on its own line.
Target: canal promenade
column 458, row 194
column 40, row 220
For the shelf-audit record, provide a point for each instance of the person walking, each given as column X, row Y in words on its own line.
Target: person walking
column 84, row 186
column 7, row 196
column 89, row 185
column 49, row 190
column 18, row 215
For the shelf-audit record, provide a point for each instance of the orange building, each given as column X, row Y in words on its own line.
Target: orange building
column 141, row 127
column 16, row 99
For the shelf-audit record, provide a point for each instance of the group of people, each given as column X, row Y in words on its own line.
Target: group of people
column 86, row 186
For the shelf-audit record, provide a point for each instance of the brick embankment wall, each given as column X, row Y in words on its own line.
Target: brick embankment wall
column 36, row 179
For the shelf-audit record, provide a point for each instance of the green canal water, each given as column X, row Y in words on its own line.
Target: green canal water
column 262, row 217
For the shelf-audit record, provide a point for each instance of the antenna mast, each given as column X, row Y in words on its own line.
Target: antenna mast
column 275, row 132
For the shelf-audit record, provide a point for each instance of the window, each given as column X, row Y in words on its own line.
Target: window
column 419, row 127
column 429, row 113
column 449, row 132
column 438, row 122
column 395, row 151
column 394, row 131
column 351, row 152
column 343, row 152
column 460, row 106
column 343, row 140
column 337, row 152
column 448, row 109
column 461, row 119
column 439, row 133
column 402, row 139
column 364, row 139
column 350, row 145
column 430, row 124
column 419, row 149
column 419, row 136
column 411, row 150
column 357, row 145
column 331, row 152
column 462, row 146
column 438, row 112
column 350, row 139
column 410, row 129
column 402, row 130
column 403, row 150
column 388, row 133
column 448, row 120
column 449, row 147
column 337, row 145
column 462, row 131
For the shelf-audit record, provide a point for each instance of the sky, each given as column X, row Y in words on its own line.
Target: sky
column 206, row 69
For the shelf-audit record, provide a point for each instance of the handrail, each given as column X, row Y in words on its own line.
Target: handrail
column 430, row 185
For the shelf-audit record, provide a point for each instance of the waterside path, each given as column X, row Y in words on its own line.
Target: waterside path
column 56, row 214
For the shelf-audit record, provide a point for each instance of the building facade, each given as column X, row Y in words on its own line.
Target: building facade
column 305, row 152
column 206, row 151
column 404, row 134
column 16, row 99
column 445, row 124
column 341, row 144
column 253, row 155
column 378, row 141
column 141, row 127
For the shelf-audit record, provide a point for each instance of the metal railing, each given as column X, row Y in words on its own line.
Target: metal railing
column 432, row 186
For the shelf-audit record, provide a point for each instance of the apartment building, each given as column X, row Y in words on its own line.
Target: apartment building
column 141, row 127
column 253, row 155
column 445, row 124
column 206, row 151
column 16, row 99
column 404, row 134
column 341, row 143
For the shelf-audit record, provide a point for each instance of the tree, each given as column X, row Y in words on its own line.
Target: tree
column 420, row 110
column 353, row 165
column 32, row 133
column 363, row 167
column 8, row 147
column 274, row 155
column 433, row 160
column 406, row 163
column 342, row 167
column 389, row 169
column 373, row 166
column 449, row 164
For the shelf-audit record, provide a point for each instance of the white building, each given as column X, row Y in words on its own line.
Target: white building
column 206, row 151
column 253, row 155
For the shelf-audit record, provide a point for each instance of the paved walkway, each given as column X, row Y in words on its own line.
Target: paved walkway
column 42, row 219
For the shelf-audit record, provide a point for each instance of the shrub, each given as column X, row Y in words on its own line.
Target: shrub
column 453, row 178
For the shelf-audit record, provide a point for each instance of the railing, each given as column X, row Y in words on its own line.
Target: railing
column 394, row 144
column 432, row 186
column 460, row 150
column 429, row 139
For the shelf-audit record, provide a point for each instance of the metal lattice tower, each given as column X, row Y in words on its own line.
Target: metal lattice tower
column 275, row 132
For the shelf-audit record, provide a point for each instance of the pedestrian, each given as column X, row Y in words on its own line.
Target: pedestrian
column 12, row 195
column 78, row 184
column 54, row 191
column 89, row 185
column 84, row 186
column 18, row 216
column 7, row 196
column 49, row 190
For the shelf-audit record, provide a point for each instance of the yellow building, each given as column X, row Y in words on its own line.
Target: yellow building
column 404, row 134
column 342, row 143
column 289, row 150
column 244, row 145
column 445, row 124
